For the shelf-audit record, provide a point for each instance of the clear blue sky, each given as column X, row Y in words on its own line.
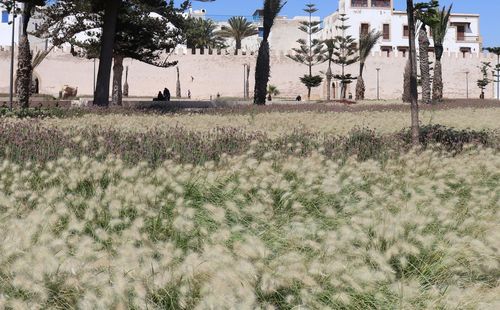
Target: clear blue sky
column 488, row 9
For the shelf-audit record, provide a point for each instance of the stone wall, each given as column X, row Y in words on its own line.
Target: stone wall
column 206, row 75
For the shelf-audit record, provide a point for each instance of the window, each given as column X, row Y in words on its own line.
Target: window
column 465, row 51
column 406, row 31
column 386, row 32
column 460, row 32
column 403, row 50
column 359, row 3
column 381, row 3
column 365, row 28
column 261, row 32
column 5, row 17
column 387, row 50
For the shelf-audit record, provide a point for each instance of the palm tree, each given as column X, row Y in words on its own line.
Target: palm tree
column 415, row 127
column 426, row 14
column 272, row 91
column 239, row 29
column 330, row 49
column 262, row 69
column 366, row 44
column 439, row 30
column 201, row 33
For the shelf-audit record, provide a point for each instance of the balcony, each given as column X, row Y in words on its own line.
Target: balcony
column 381, row 3
column 359, row 3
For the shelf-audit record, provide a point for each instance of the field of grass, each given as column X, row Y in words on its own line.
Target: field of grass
column 266, row 210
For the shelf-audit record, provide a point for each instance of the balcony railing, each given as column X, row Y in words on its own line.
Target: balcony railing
column 468, row 39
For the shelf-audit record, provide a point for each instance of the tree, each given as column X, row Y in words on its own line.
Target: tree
column 330, row 48
column 439, row 30
column 262, row 68
column 143, row 32
column 413, row 91
column 272, row 91
column 496, row 73
column 366, row 44
column 344, row 54
column 485, row 81
column 201, row 33
column 25, row 57
column 239, row 29
column 310, row 52
column 426, row 14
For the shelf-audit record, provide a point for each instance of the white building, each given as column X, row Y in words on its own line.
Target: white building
column 364, row 15
column 6, row 28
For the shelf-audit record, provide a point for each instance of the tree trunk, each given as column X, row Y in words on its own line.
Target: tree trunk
column 406, row 83
column 247, row 85
column 329, row 77
column 101, row 96
column 24, row 72
column 360, row 88
column 437, row 84
column 117, row 80
column 425, row 73
column 125, row 85
column 178, row 92
column 415, row 126
column 308, row 93
column 262, row 70
column 238, row 44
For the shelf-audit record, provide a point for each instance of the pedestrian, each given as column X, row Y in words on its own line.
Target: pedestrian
column 189, row 94
column 159, row 97
column 166, row 94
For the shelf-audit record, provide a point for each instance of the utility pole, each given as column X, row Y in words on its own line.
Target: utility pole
column 467, row 84
column 11, row 87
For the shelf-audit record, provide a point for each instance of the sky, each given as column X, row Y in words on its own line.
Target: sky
column 487, row 8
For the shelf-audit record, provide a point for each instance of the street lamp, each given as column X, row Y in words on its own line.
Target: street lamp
column 11, row 87
column 467, row 83
column 244, row 81
column 378, row 84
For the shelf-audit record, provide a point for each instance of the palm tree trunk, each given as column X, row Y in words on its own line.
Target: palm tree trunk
column 437, row 85
column 117, row 96
column 425, row 74
column 329, row 77
column 247, row 84
column 360, row 84
column 406, row 83
column 308, row 93
column 415, row 126
column 101, row 96
column 178, row 92
column 262, row 70
column 24, row 72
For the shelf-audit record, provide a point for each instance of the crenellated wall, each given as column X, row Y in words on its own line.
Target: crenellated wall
column 222, row 72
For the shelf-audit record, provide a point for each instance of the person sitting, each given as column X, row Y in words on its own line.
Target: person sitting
column 160, row 97
column 299, row 98
column 166, row 94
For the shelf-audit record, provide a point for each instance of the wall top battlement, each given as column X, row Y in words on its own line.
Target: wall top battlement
column 184, row 52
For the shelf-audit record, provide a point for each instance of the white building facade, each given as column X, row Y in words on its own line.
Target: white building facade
column 463, row 34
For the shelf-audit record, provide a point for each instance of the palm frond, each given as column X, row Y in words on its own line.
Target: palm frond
column 367, row 42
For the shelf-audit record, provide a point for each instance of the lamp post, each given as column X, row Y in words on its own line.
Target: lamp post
column 467, row 84
column 244, row 81
column 378, row 84
column 11, row 86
